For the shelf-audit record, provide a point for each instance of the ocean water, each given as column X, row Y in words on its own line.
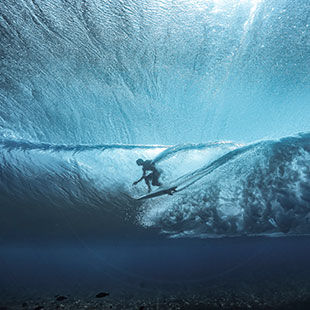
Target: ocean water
column 215, row 92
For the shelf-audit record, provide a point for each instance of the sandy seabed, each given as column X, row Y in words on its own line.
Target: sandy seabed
column 290, row 296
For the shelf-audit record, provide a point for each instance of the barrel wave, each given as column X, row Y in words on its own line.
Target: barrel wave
column 225, row 189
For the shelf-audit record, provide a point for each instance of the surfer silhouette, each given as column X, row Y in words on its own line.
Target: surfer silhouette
column 153, row 177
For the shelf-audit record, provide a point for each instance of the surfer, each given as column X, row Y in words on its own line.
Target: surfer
column 153, row 177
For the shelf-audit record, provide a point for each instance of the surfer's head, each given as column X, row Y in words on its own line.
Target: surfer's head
column 140, row 162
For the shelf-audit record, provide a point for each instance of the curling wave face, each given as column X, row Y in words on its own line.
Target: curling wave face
column 225, row 189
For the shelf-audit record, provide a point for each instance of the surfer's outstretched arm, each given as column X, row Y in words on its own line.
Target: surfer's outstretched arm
column 143, row 176
column 136, row 182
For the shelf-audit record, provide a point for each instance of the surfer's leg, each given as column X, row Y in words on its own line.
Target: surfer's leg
column 155, row 177
column 147, row 182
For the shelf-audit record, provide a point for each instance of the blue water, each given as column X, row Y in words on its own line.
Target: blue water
column 214, row 92
column 156, row 267
column 154, row 72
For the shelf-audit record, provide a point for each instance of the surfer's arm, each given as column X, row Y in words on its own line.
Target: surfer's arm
column 143, row 176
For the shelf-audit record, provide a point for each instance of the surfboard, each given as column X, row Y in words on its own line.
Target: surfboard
column 159, row 192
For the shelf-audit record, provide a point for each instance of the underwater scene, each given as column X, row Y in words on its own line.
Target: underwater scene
column 154, row 154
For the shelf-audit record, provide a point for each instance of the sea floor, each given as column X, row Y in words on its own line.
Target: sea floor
column 240, row 273
column 286, row 296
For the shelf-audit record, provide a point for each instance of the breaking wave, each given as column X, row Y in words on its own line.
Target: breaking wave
column 225, row 189
column 258, row 189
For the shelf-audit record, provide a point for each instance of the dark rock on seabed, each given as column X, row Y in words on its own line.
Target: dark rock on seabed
column 102, row 294
column 61, row 298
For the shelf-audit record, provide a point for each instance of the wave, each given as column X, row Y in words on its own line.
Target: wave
column 225, row 189
column 258, row 189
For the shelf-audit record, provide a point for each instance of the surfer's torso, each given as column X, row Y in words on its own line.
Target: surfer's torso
column 148, row 166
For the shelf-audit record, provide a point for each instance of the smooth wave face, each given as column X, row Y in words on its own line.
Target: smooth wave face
column 153, row 72
column 225, row 189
